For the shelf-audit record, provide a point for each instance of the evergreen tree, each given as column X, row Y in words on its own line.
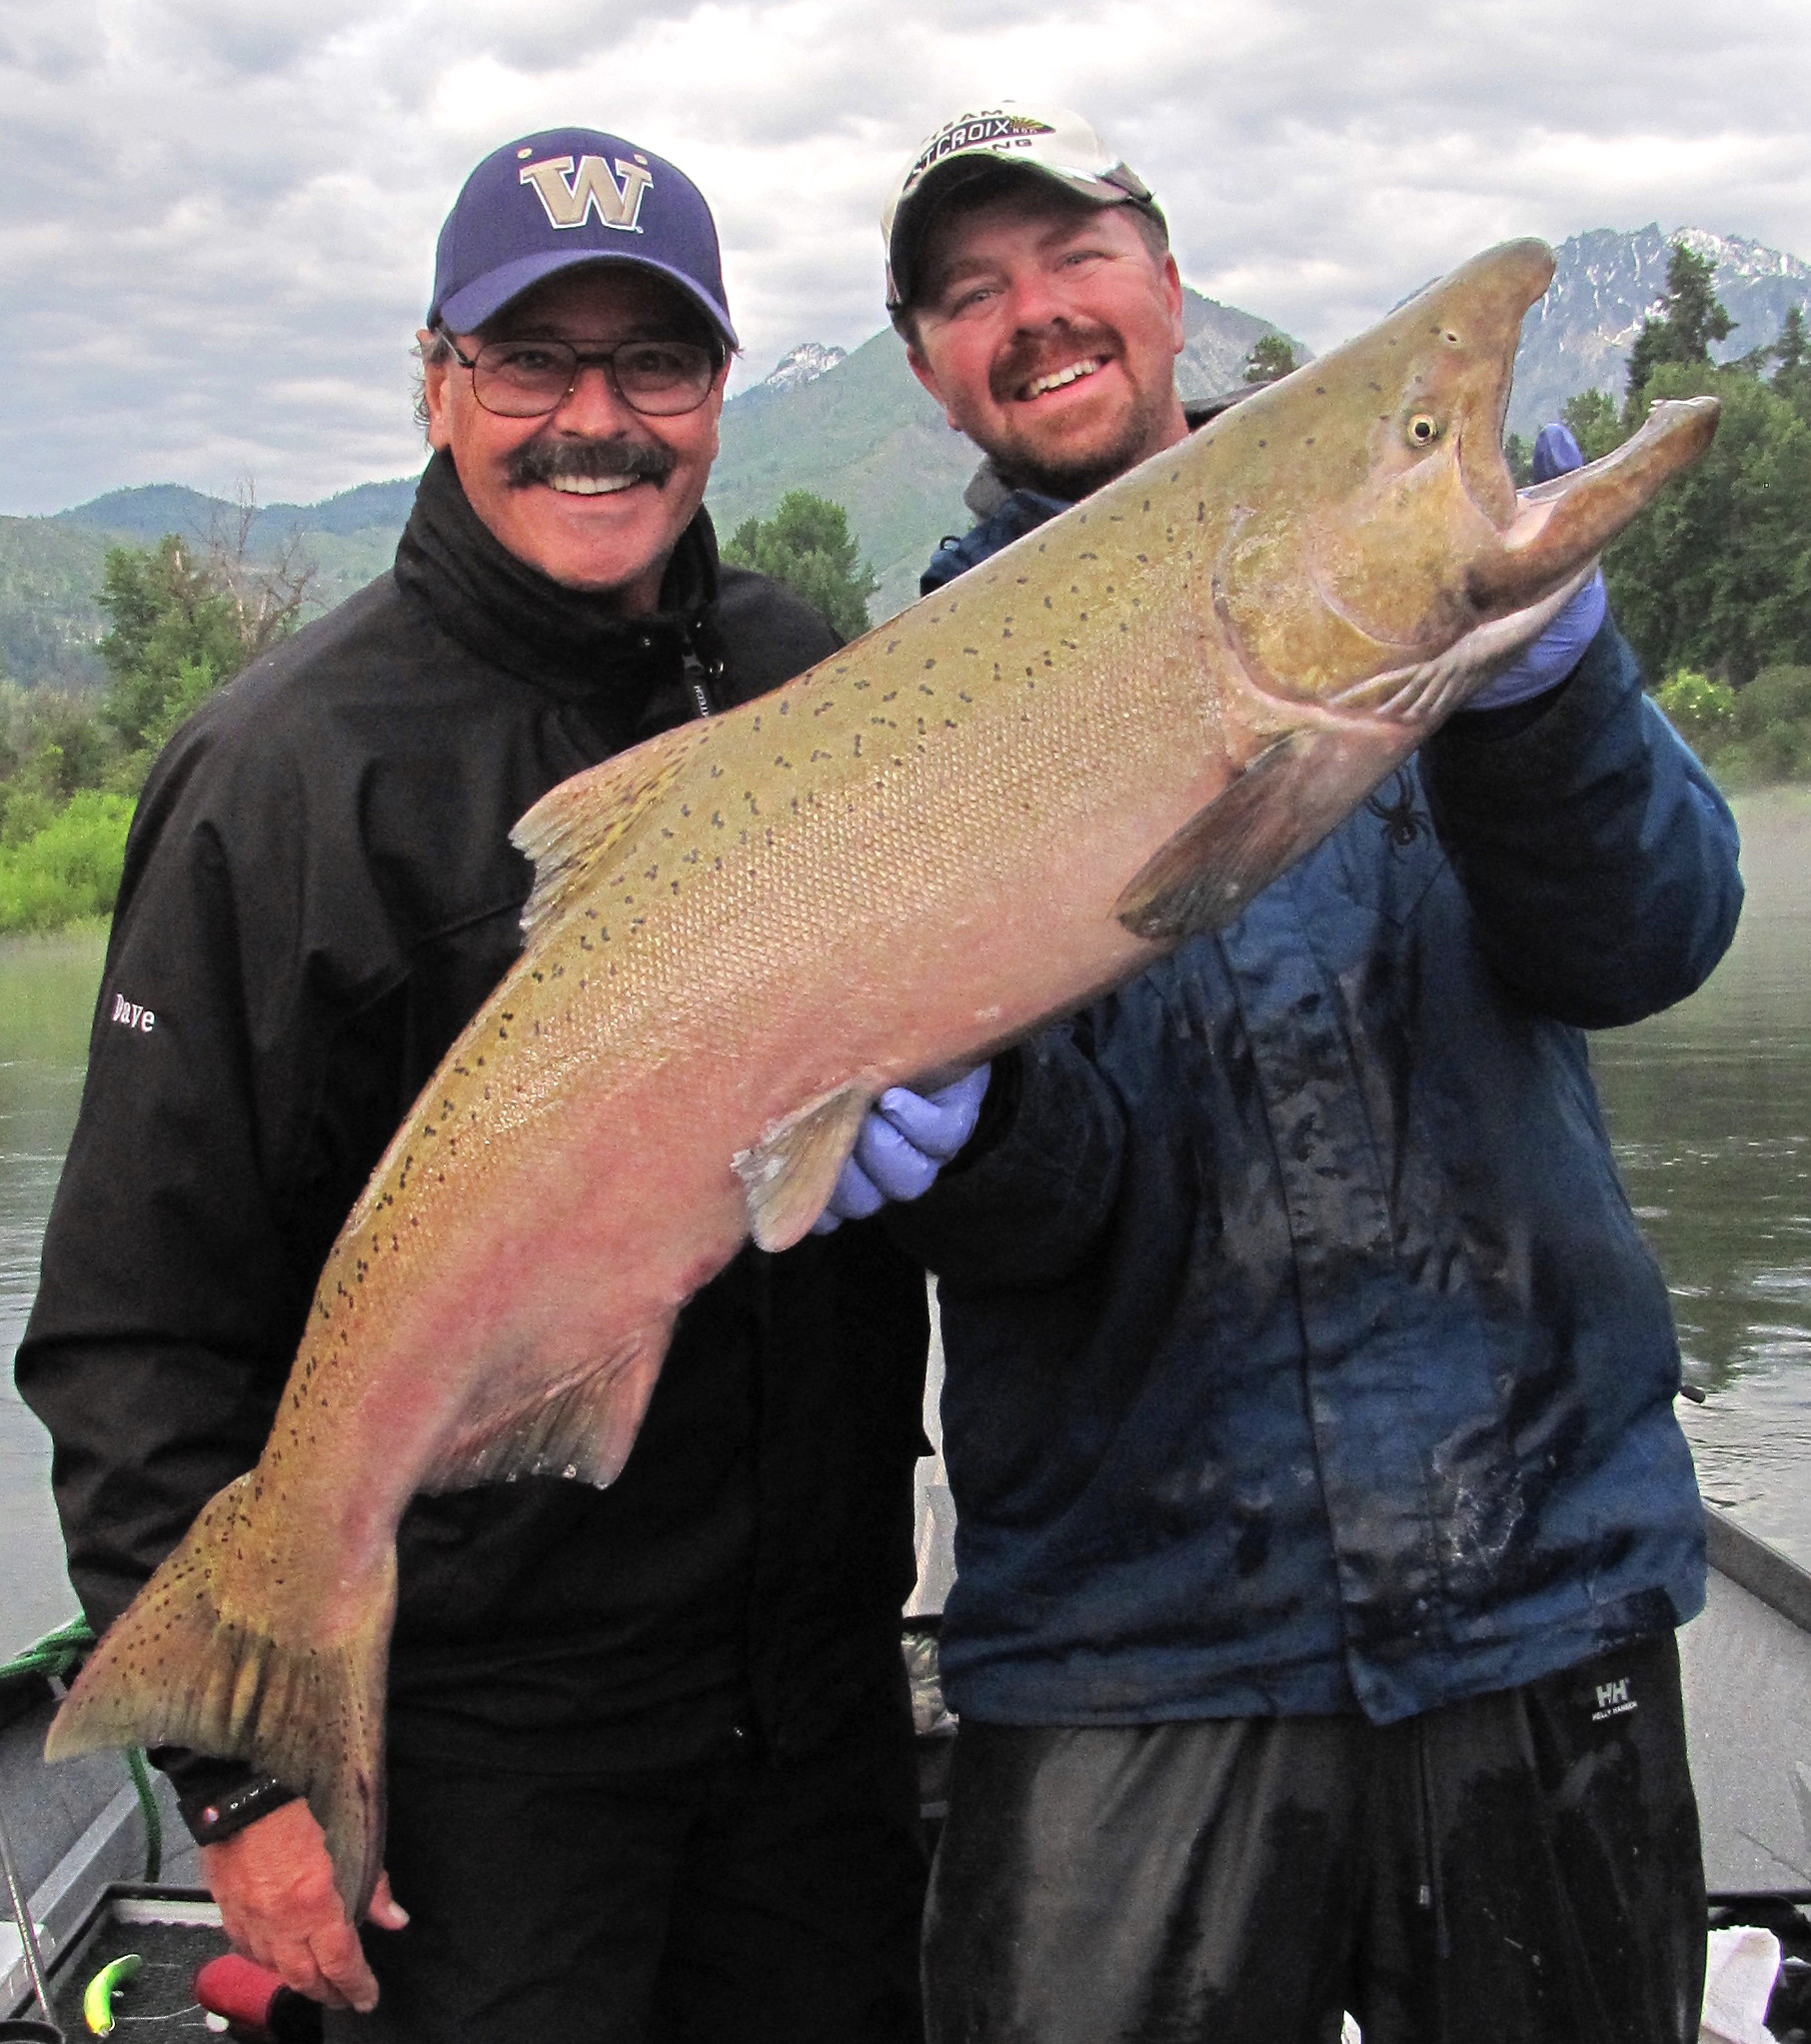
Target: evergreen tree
column 1520, row 457
column 172, row 622
column 1792, row 352
column 1271, row 357
column 1595, row 424
column 807, row 545
column 1692, row 317
column 1716, row 574
column 185, row 621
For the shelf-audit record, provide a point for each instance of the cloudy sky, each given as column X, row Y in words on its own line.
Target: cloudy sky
column 217, row 217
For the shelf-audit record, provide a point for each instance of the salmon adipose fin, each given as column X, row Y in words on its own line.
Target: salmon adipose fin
column 1282, row 804
column 791, row 1172
column 583, row 1430
column 177, row 1669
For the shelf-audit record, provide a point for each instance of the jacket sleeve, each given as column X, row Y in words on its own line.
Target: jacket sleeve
column 1597, row 856
column 1032, row 1196
column 169, row 1296
column 180, row 1254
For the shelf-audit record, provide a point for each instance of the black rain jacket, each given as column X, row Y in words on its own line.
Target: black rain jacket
column 319, row 892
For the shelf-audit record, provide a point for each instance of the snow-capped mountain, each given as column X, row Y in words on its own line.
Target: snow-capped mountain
column 1606, row 283
column 802, row 365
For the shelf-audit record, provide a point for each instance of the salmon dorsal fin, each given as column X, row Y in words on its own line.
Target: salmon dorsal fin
column 791, row 1172
column 578, row 825
column 1280, row 806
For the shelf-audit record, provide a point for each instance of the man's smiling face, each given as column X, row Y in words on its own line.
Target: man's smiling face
column 594, row 494
column 1047, row 329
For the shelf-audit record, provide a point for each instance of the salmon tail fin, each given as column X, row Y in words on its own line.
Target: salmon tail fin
column 177, row 1668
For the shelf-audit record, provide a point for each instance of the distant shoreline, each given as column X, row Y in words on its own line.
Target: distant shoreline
column 1787, row 797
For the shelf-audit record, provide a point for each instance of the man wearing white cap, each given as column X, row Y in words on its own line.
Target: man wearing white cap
column 1322, row 1517
column 651, row 1772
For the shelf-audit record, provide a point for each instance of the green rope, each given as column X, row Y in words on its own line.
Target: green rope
column 154, row 1818
column 56, row 1657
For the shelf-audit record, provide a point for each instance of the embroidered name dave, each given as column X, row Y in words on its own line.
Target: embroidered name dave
column 130, row 1015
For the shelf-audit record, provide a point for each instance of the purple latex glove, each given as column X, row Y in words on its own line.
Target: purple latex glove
column 1560, row 648
column 905, row 1139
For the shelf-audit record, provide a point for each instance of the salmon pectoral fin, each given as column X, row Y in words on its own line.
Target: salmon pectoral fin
column 1280, row 806
column 577, row 826
column 581, row 1429
column 790, row 1173
column 178, row 1667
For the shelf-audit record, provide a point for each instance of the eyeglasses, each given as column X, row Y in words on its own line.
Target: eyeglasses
column 526, row 379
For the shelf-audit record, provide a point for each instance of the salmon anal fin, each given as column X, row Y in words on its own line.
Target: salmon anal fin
column 577, row 826
column 791, row 1172
column 1281, row 806
column 583, row 1431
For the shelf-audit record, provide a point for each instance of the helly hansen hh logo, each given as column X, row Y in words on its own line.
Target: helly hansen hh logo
column 1613, row 1699
column 569, row 196
column 130, row 1015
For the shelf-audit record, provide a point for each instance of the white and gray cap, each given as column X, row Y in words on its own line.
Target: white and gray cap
column 1051, row 140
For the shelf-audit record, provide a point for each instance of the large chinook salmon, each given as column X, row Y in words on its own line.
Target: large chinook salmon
column 1013, row 797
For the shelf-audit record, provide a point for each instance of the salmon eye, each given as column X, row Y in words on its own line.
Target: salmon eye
column 1424, row 430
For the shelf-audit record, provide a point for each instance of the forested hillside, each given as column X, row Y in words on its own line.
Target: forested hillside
column 839, row 475
column 49, row 618
column 51, row 569
column 856, row 430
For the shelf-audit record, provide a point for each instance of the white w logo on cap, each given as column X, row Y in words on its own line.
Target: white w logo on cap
column 567, row 202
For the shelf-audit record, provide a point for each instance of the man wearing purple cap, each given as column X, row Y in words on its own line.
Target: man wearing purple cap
column 1323, row 1516
column 651, row 1771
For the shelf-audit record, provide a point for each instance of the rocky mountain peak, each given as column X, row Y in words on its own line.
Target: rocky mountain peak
column 1606, row 282
column 803, row 365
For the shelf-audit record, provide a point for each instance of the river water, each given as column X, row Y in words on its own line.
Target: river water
column 1709, row 1106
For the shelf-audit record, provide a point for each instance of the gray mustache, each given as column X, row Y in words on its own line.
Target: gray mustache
column 542, row 461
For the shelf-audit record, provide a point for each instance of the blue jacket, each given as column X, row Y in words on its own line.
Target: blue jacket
column 1302, row 1354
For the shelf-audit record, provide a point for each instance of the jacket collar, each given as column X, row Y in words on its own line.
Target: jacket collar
column 512, row 616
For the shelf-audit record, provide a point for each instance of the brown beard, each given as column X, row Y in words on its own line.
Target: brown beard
column 1034, row 355
column 1072, row 480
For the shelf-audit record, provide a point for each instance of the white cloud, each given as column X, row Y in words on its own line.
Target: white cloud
column 217, row 221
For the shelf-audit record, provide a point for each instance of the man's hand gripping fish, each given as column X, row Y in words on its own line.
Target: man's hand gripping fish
column 1011, row 798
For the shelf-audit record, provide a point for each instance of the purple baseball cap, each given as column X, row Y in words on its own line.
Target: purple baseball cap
column 568, row 196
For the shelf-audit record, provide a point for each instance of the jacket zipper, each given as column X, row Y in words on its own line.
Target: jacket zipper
column 699, row 675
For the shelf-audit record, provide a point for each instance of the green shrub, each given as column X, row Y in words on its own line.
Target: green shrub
column 1699, row 710
column 1783, row 753
column 70, row 767
column 1770, row 730
column 1777, row 695
column 69, row 869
